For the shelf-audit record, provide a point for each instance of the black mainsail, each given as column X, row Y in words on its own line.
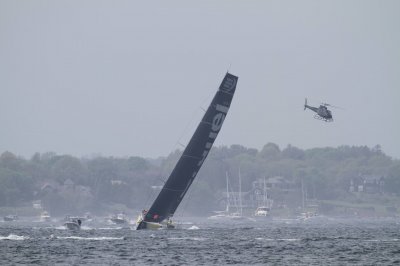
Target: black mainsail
column 193, row 156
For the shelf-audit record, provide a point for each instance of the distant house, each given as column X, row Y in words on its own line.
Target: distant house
column 37, row 204
column 48, row 188
column 367, row 184
column 280, row 191
column 281, row 183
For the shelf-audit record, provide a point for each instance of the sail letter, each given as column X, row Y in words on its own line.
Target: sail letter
column 217, row 122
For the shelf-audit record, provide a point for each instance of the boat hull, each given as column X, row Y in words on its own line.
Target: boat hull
column 72, row 225
column 118, row 221
column 153, row 225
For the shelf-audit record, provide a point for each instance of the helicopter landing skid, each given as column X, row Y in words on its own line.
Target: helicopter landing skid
column 323, row 119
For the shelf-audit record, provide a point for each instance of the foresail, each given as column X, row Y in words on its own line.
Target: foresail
column 194, row 154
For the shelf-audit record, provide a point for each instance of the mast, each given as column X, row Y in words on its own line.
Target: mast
column 193, row 156
column 265, row 194
column 227, row 193
column 240, row 193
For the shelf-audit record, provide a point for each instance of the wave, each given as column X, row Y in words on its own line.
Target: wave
column 188, row 238
column 13, row 237
column 383, row 240
column 193, row 227
column 109, row 228
column 277, row 239
column 90, row 238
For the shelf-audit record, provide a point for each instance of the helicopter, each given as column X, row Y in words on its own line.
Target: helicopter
column 321, row 112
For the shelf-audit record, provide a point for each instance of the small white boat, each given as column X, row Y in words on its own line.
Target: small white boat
column 45, row 216
column 262, row 211
column 73, row 224
column 120, row 218
column 265, row 208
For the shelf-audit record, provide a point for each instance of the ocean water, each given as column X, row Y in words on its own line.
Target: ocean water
column 321, row 241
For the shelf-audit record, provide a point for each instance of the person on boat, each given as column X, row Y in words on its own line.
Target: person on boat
column 144, row 213
column 170, row 225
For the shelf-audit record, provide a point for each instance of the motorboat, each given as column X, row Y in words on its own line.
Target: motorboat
column 73, row 224
column 119, row 218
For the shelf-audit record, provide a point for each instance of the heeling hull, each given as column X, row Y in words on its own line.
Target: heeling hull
column 194, row 154
column 154, row 226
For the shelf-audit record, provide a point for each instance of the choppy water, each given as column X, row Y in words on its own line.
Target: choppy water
column 205, row 242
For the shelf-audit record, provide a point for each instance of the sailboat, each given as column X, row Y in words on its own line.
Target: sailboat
column 163, row 208
column 238, row 215
column 264, row 209
column 226, row 212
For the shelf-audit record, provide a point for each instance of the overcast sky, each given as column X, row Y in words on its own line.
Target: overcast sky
column 129, row 78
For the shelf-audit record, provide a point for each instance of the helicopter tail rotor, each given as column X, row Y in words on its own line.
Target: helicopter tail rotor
column 305, row 104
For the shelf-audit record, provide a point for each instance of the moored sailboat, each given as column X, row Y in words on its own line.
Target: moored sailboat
column 264, row 209
column 163, row 208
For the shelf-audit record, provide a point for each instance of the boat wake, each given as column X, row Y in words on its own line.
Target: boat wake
column 188, row 238
column 277, row 239
column 13, row 237
column 90, row 238
column 193, row 227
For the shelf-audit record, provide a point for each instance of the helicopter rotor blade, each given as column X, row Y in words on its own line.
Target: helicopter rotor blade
column 337, row 107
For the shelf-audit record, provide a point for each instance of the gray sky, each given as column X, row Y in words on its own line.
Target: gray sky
column 129, row 77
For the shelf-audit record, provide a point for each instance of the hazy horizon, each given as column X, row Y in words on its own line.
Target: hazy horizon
column 129, row 78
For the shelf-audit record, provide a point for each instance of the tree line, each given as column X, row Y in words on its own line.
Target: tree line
column 68, row 184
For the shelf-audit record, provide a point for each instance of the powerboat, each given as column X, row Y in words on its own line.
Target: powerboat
column 73, row 224
column 119, row 218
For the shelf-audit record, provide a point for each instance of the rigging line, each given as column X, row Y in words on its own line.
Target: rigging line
column 190, row 123
column 186, row 128
column 149, row 195
column 192, row 116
